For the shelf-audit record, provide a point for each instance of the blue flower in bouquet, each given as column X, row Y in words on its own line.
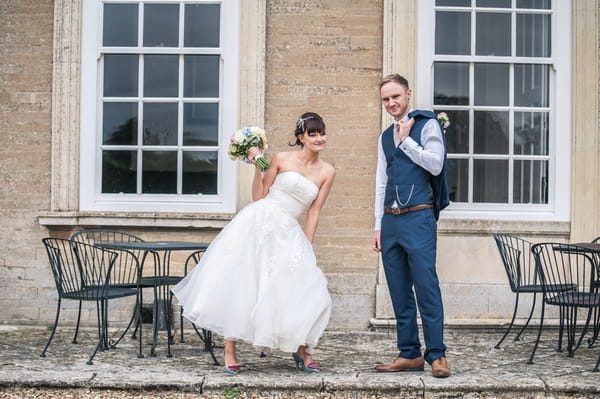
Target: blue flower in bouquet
column 246, row 138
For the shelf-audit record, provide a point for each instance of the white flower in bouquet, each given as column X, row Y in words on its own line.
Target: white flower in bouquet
column 246, row 138
column 444, row 119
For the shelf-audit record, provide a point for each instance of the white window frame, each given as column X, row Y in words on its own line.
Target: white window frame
column 558, row 207
column 91, row 198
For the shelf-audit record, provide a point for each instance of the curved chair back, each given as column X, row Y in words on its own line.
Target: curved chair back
column 518, row 261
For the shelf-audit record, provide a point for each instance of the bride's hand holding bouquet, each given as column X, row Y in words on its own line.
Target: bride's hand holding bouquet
column 244, row 140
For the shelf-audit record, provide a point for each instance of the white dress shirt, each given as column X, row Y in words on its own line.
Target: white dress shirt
column 429, row 155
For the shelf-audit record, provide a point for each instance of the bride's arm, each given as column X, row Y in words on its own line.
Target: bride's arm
column 314, row 211
column 261, row 182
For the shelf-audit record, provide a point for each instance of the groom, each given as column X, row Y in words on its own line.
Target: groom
column 410, row 191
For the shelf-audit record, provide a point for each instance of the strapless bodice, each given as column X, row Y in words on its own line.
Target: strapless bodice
column 292, row 193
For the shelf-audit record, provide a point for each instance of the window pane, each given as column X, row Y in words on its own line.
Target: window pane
column 202, row 25
column 453, row 3
column 494, row 3
column 119, row 123
column 120, row 25
column 120, row 75
column 119, row 171
column 451, row 83
column 537, row 4
column 201, row 124
column 491, row 132
column 493, row 34
column 490, row 180
column 159, row 172
column 161, row 75
column 200, row 172
column 491, row 84
column 533, row 35
column 161, row 25
column 532, row 85
column 201, row 76
column 160, row 124
column 531, row 133
column 452, row 33
column 458, row 180
column 530, row 183
column 457, row 134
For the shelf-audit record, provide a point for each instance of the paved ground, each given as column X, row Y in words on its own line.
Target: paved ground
column 346, row 358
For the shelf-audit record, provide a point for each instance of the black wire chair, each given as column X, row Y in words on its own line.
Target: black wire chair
column 573, row 268
column 205, row 335
column 126, row 272
column 82, row 272
column 519, row 265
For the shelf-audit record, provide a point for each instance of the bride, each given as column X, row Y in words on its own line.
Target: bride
column 258, row 281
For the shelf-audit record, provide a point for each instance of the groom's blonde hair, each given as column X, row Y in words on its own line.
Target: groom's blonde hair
column 394, row 78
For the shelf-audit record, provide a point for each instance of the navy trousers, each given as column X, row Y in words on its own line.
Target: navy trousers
column 408, row 246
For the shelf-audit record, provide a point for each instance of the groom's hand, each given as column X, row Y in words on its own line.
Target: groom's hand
column 377, row 241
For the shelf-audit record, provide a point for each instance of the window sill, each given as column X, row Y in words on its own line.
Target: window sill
column 133, row 219
column 474, row 226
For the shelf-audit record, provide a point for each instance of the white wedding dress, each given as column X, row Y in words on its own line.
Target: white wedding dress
column 258, row 281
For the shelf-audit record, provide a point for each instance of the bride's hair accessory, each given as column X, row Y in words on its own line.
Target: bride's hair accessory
column 300, row 123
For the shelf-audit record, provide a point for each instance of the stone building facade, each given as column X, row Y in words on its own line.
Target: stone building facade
column 321, row 55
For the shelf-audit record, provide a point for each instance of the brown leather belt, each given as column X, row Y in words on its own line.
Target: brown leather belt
column 400, row 211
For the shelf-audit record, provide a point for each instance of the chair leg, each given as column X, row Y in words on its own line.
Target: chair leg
column 537, row 341
column 518, row 337
column 114, row 342
column 561, row 328
column 77, row 325
column 596, row 369
column 512, row 321
column 43, row 354
column 181, row 324
column 100, row 312
column 571, row 326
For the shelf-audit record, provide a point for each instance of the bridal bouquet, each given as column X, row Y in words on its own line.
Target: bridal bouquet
column 246, row 138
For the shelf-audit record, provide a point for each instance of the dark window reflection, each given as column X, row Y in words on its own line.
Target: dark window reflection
column 119, row 172
column 202, row 25
column 457, row 134
column 160, row 124
column 453, row 3
column 201, row 76
column 490, row 180
column 458, row 180
column 533, row 35
column 530, row 182
column 200, row 172
column 494, row 3
column 535, row 4
column 531, row 133
column 161, row 25
column 159, row 172
column 201, row 124
column 120, row 25
column 119, row 123
column 491, row 132
column 532, row 85
column 452, row 33
column 491, row 84
column 161, row 75
column 451, row 83
column 120, row 75
column 493, row 34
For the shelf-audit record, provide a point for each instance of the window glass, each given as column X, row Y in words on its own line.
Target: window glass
column 161, row 25
column 451, row 83
column 458, row 179
column 491, row 84
column 120, row 75
column 532, row 85
column 201, row 124
column 533, row 35
column 453, row 3
column 491, row 132
column 457, row 134
column 493, row 34
column 119, row 172
column 202, row 25
column 452, row 33
column 200, row 172
column 535, row 4
column 530, row 182
column 532, row 133
column 160, row 123
column 120, row 25
column 161, row 75
column 490, row 181
column 159, row 172
column 201, row 76
column 494, row 3
column 119, row 123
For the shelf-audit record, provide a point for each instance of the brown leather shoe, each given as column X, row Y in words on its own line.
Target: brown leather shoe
column 402, row 364
column 439, row 368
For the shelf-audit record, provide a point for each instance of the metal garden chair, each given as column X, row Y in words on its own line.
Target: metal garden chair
column 82, row 272
column 573, row 268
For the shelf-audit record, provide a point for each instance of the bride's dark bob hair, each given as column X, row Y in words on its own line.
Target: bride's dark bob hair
column 308, row 122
